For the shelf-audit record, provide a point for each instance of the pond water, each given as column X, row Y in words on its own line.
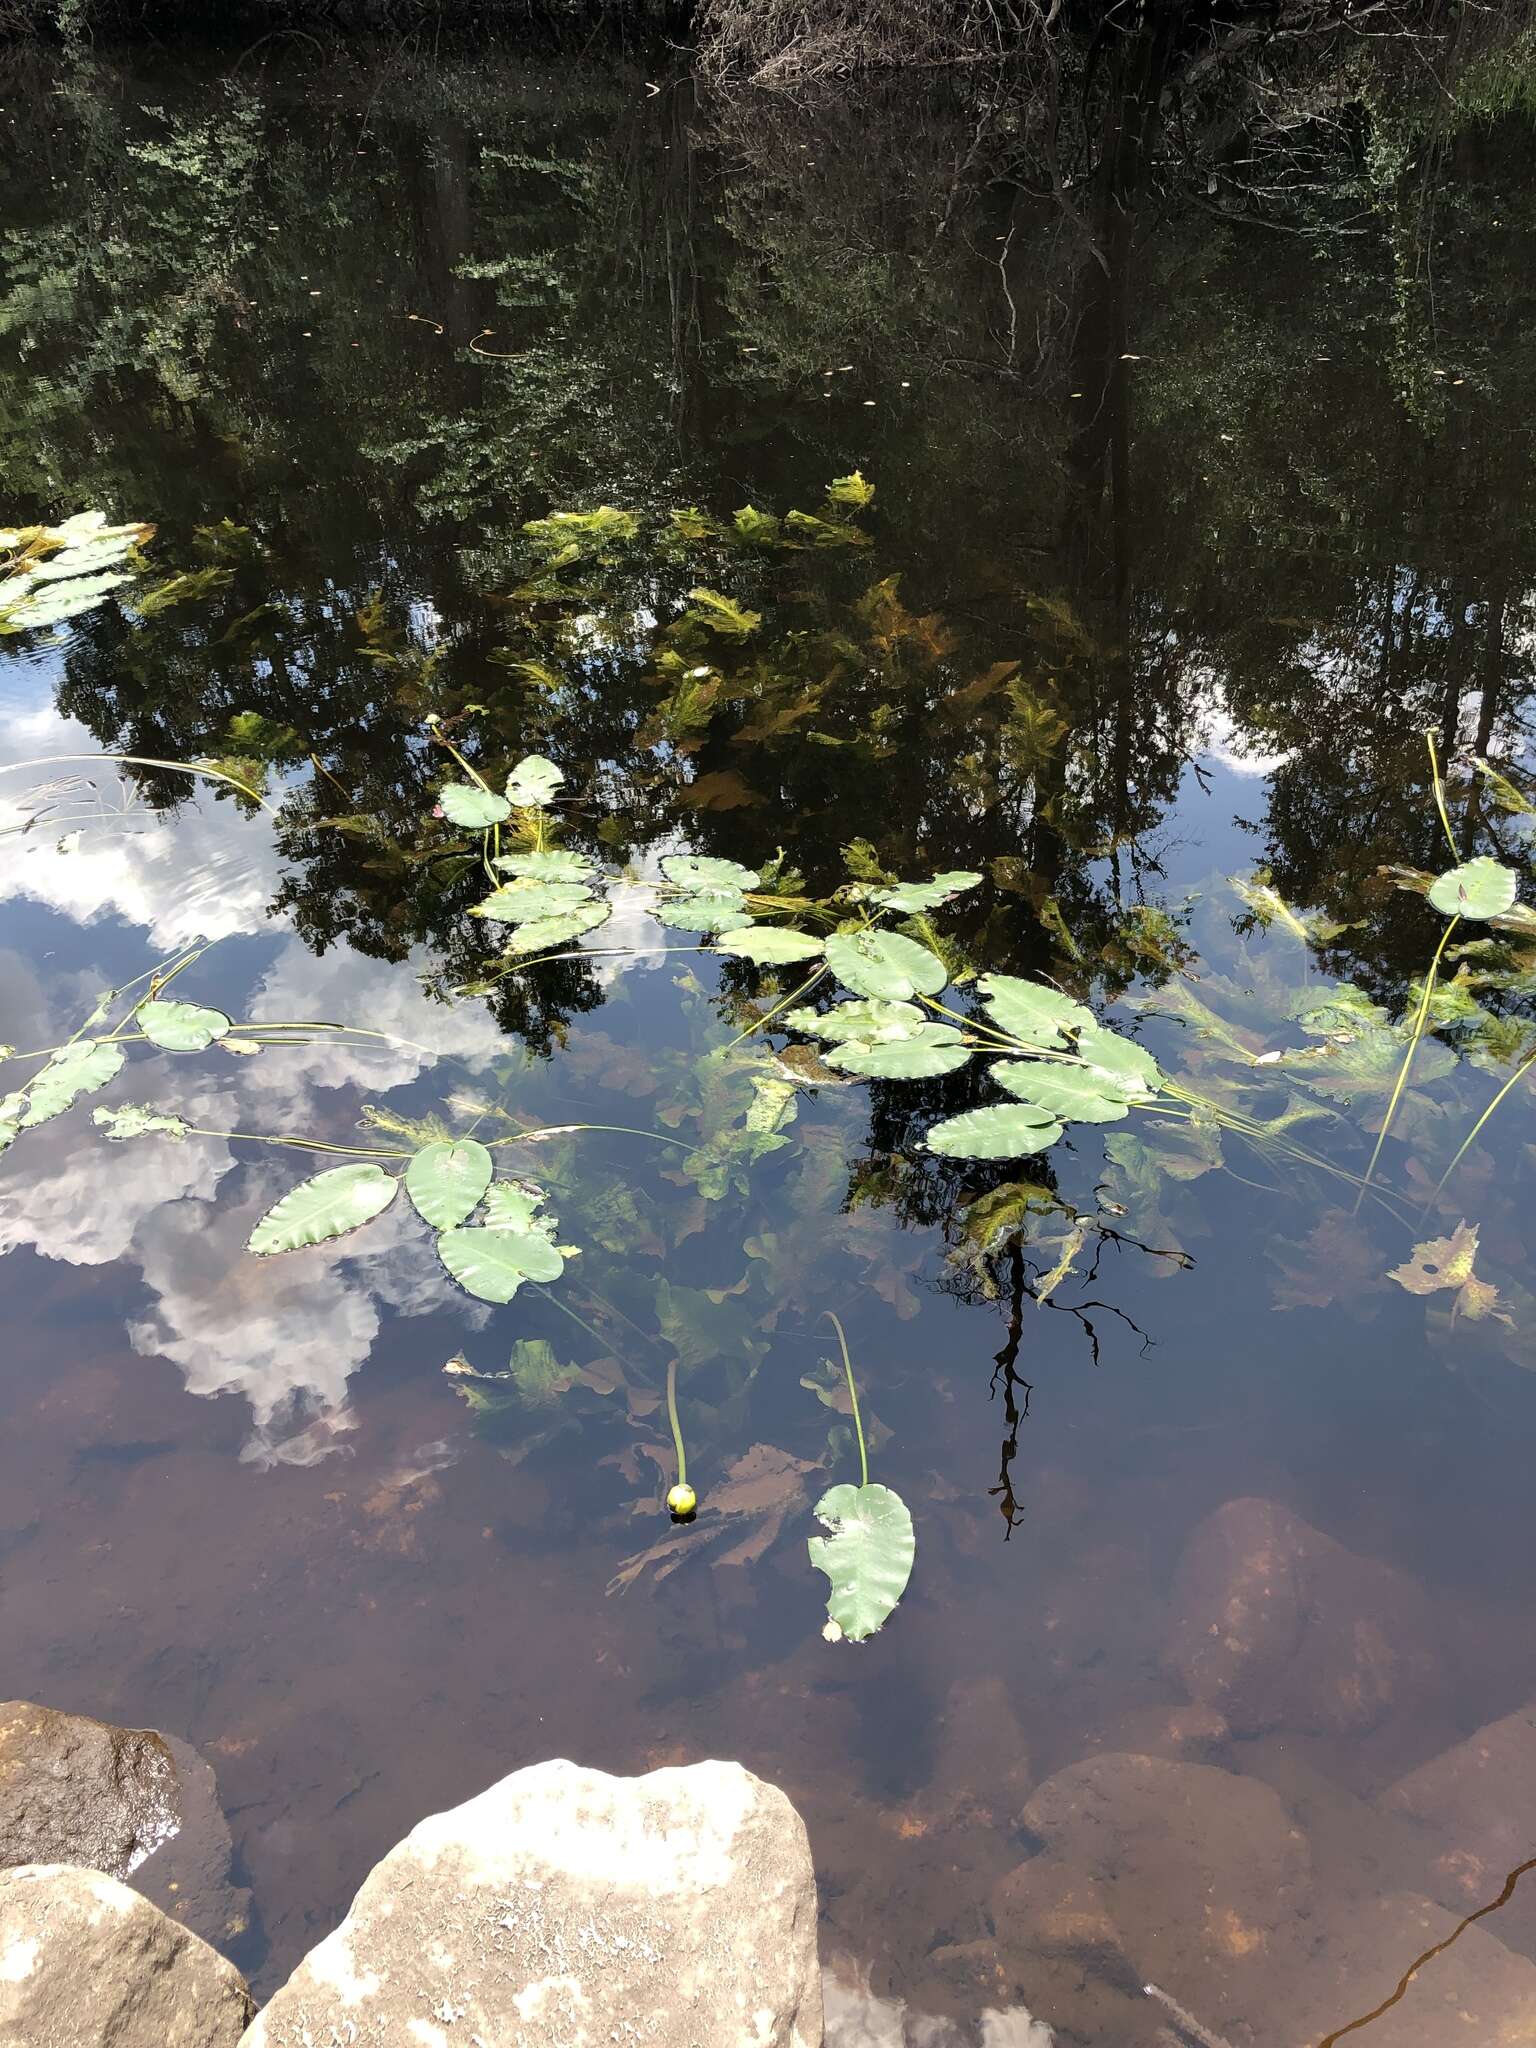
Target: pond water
column 1200, row 449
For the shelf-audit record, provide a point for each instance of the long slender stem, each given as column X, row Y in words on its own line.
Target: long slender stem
column 304, row 1144
column 1471, row 1137
column 1445, row 819
column 853, row 1396
column 1413, row 1046
column 677, row 1433
column 560, row 1130
column 783, row 1004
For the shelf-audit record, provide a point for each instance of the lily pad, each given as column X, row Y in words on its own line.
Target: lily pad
column 1006, row 1131
column 1031, row 1012
column 911, row 896
column 325, row 1206
column 520, row 902
column 769, row 945
column 922, row 1055
column 712, row 910
column 1130, row 1064
column 74, row 1070
column 554, row 864
column 492, row 1264
column 133, row 1120
column 181, row 1027
column 533, row 782
column 862, row 1019
column 513, row 1205
column 544, row 934
column 467, row 804
column 885, row 965
column 703, row 871
column 446, row 1181
column 868, row 1556
column 1477, row 889
column 1070, row 1094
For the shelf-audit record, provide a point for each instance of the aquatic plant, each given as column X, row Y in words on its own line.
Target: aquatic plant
column 869, row 1552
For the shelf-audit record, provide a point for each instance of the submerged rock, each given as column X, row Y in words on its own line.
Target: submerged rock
column 74, row 1790
column 1472, row 1802
column 1275, row 1625
column 86, row 1963
column 565, row 1908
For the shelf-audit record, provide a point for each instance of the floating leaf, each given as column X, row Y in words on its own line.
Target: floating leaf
column 713, row 910
column 1478, row 889
column 554, row 864
column 520, row 902
column 181, row 1027
column 1129, row 1063
column 513, row 1205
column 704, row 872
column 769, row 945
column 328, row 1205
column 467, row 804
column 533, row 782
column 1008, row 1131
column 866, row 1019
column 913, row 896
column 61, row 571
column 920, row 1055
column 1446, row 1263
column 543, row 934
column 446, row 1181
column 885, row 965
column 1031, row 1012
column 132, row 1120
column 868, row 1556
column 1069, row 1094
column 74, row 1070
column 492, row 1263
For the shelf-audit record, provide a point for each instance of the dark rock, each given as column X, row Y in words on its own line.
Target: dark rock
column 74, row 1790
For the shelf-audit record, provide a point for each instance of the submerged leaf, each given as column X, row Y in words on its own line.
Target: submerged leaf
column 533, row 782
column 325, row 1206
column 868, row 1556
column 492, row 1263
column 465, row 803
column 885, row 965
column 1439, row 1262
column 1478, row 889
column 446, row 1181
column 1008, row 1131
column 768, row 945
column 74, row 1070
column 133, row 1120
column 181, row 1027
column 721, row 614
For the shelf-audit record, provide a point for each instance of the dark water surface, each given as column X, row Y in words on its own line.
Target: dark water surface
column 1200, row 424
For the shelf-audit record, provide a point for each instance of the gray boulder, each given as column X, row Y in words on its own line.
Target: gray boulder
column 74, row 1790
column 567, row 1907
column 86, row 1963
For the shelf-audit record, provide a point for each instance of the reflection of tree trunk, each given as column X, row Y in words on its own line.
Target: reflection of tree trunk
column 1490, row 680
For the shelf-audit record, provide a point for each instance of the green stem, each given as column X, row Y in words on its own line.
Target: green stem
column 783, row 1004
column 305, row 1144
column 1413, row 1046
column 1434, row 769
column 853, row 1396
column 1471, row 1137
column 560, row 1130
column 473, row 773
column 146, row 761
column 677, row 1434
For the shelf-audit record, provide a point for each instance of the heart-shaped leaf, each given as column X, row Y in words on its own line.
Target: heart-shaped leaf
column 467, row 804
column 447, row 1180
column 868, row 1556
column 521, row 902
column 1031, row 1012
column 328, row 1205
column 703, row 871
column 1129, row 1063
column 863, row 1019
column 533, row 782
column 931, row 1050
column 769, row 945
column 712, row 910
column 545, row 934
column 1008, row 1131
column 910, row 896
column 1478, row 889
column 554, row 864
column 181, row 1027
column 74, row 1070
column 886, row 965
column 1069, row 1094
column 492, row 1264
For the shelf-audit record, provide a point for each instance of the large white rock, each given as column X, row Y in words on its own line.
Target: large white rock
column 565, row 1908
column 86, row 1963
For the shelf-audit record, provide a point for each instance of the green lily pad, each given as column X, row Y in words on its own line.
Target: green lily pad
column 913, row 896
column 1478, row 889
column 325, row 1206
column 868, row 1556
column 514, row 1205
column 1130, row 1064
column 703, row 871
column 931, row 1050
column 864, row 1019
column 492, row 1263
column 885, row 965
column 1008, row 1131
column 554, row 864
column 181, row 1027
column 1070, row 1094
column 520, row 902
column 533, row 782
column 712, row 910
column 769, row 945
column 545, row 934
column 1031, row 1012
column 134, row 1120
column 467, row 804
column 446, row 1181
column 74, row 1070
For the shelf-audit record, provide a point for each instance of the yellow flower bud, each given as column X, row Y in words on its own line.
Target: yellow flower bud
column 682, row 1500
